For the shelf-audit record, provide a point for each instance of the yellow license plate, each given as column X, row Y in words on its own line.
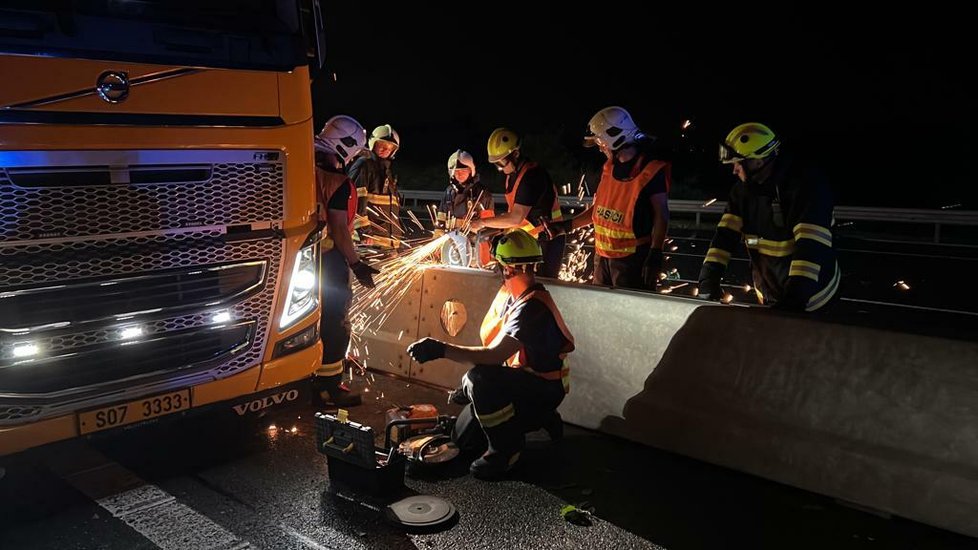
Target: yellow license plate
column 133, row 411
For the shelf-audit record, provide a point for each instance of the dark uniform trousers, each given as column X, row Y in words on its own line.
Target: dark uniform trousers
column 506, row 403
column 337, row 296
column 621, row 272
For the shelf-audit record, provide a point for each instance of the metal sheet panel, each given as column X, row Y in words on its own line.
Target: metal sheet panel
column 620, row 337
column 473, row 288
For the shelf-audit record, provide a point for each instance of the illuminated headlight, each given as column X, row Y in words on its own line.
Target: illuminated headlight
column 25, row 349
column 303, row 295
column 130, row 333
column 221, row 317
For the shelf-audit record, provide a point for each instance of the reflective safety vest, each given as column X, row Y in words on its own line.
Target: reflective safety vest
column 497, row 317
column 555, row 213
column 327, row 183
column 614, row 210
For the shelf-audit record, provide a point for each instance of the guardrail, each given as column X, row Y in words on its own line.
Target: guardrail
column 937, row 218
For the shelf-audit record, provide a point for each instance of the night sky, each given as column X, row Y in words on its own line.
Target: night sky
column 883, row 110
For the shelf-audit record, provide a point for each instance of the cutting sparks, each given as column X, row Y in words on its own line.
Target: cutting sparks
column 709, row 202
column 578, row 257
column 901, row 285
column 398, row 273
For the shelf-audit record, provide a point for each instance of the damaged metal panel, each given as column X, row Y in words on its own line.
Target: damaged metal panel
column 460, row 288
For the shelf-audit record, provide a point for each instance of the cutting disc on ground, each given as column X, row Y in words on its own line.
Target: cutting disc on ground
column 422, row 511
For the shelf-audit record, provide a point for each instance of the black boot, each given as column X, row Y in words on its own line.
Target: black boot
column 330, row 391
column 554, row 426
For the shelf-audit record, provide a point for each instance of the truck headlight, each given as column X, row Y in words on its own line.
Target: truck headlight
column 303, row 295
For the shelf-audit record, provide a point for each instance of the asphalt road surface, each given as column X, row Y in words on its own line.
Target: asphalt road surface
column 223, row 483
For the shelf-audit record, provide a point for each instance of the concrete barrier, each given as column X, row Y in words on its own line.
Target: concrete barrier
column 882, row 419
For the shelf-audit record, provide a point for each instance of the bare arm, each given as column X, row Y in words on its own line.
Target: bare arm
column 660, row 206
column 504, row 348
column 340, row 233
column 513, row 218
column 583, row 219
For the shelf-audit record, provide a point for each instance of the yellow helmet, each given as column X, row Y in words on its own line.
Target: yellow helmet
column 516, row 247
column 502, row 142
column 752, row 140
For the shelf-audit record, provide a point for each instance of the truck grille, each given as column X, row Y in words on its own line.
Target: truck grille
column 116, row 193
column 118, row 309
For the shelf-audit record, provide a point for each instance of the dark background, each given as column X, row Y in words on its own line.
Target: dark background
column 889, row 112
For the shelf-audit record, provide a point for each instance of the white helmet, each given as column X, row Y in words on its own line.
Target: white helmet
column 385, row 132
column 612, row 127
column 460, row 159
column 342, row 135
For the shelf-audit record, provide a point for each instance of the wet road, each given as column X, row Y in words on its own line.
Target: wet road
column 217, row 482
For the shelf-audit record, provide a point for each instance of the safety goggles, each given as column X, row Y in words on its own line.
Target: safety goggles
column 503, row 162
column 728, row 155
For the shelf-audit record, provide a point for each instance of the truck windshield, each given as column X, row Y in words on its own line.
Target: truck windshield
column 244, row 34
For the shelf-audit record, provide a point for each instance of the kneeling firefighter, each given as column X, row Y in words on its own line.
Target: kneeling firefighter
column 519, row 377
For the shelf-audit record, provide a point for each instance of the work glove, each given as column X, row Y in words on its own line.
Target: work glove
column 426, row 349
column 364, row 273
column 651, row 268
column 555, row 228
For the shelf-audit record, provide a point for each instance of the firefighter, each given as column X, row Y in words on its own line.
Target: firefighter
column 530, row 195
column 373, row 174
column 341, row 139
column 519, row 375
column 630, row 211
column 782, row 209
column 464, row 193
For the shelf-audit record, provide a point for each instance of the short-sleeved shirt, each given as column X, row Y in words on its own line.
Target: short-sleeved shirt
column 533, row 324
column 536, row 191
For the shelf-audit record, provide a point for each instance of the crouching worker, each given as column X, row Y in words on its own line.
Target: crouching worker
column 519, row 375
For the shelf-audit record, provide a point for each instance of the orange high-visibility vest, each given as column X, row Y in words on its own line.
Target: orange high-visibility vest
column 614, row 209
column 555, row 213
column 327, row 183
column 497, row 317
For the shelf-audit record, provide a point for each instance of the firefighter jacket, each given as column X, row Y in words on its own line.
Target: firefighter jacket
column 461, row 199
column 375, row 180
column 785, row 221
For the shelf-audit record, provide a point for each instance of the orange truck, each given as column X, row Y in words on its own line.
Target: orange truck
column 158, row 243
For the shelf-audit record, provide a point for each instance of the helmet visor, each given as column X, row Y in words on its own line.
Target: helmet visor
column 728, row 155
